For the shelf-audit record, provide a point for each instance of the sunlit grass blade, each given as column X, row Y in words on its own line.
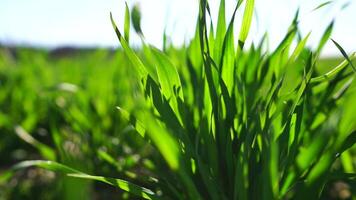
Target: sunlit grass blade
column 167, row 75
column 208, row 120
column 139, row 127
column 161, row 138
column 325, row 38
column 122, row 184
column 220, row 32
column 334, row 71
column 56, row 167
column 129, row 52
column 246, row 22
column 300, row 47
column 227, row 62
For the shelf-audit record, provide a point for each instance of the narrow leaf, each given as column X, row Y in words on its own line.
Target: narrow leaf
column 220, row 32
column 344, row 54
column 46, row 151
column 127, row 24
column 348, row 142
column 119, row 183
column 136, row 19
column 246, row 22
column 325, row 37
column 139, row 66
column 299, row 49
column 332, row 72
column 322, row 5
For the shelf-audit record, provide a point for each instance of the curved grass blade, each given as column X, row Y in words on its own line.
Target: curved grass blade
column 343, row 89
column 322, row 5
column 119, row 183
column 46, row 151
column 332, row 72
column 344, row 54
column 122, row 184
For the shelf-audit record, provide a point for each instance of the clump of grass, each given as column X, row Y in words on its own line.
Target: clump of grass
column 231, row 122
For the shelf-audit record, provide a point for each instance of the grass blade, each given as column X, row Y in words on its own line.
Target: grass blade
column 246, row 22
column 299, row 48
column 333, row 72
column 348, row 142
column 161, row 138
column 167, row 75
column 56, row 167
column 220, row 32
column 344, row 54
column 325, row 37
column 46, row 151
column 139, row 66
column 127, row 24
column 322, row 5
column 136, row 19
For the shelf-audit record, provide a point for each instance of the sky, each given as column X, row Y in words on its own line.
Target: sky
column 55, row 23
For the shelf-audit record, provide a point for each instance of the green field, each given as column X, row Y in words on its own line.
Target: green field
column 214, row 119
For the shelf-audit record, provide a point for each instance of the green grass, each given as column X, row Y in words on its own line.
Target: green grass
column 64, row 109
column 244, row 117
column 217, row 119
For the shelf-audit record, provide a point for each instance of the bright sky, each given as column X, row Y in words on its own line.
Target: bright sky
column 53, row 23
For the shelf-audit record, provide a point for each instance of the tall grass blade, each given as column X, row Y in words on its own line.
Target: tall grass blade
column 325, row 38
column 220, row 32
column 139, row 66
column 246, row 22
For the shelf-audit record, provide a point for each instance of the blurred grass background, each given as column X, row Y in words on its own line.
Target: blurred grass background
column 61, row 105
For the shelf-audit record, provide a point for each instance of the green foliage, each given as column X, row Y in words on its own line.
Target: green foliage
column 249, row 124
column 62, row 108
column 222, row 120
